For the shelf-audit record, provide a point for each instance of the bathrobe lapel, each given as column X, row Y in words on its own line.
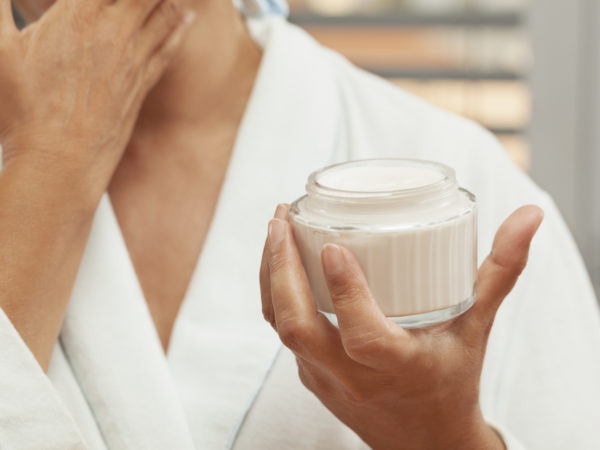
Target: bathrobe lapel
column 32, row 414
column 222, row 348
column 109, row 344
column 113, row 349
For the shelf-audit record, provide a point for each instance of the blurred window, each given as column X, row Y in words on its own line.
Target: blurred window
column 467, row 56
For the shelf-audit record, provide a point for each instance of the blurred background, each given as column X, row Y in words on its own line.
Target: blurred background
column 527, row 70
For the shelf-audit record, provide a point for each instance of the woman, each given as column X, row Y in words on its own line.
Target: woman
column 96, row 288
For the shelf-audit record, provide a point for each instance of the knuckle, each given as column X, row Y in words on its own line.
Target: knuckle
column 268, row 315
column 520, row 266
column 513, row 271
column 512, row 264
column 345, row 293
column 365, row 346
column 294, row 334
column 304, row 377
column 278, row 261
column 337, row 281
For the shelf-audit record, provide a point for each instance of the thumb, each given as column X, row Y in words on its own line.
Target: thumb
column 500, row 270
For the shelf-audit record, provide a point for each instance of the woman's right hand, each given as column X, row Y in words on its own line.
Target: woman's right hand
column 71, row 86
column 72, row 83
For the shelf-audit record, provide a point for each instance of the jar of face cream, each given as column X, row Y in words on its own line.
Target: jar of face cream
column 409, row 225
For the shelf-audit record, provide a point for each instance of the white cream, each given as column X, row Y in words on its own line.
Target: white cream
column 411, row 228
column 378, row 178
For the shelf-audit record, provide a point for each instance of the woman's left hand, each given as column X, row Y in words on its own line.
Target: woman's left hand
column 396, row 388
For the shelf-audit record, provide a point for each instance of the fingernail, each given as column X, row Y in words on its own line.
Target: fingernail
column 189, row 17
column 333, row 260
column 541, row 218
column 281, row 212
column 276, row 232
column 535, row 214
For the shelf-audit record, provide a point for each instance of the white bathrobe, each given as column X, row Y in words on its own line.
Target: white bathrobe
column 226, row 383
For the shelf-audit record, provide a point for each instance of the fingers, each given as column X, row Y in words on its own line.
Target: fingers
column 265, row 289
column 367, row 335
column 501, row 269
column 293, row 306
column 160, row 59
column 138, row 10
column 165, row 18
column 7, row 21
column 265, row 280
column 154, row 66
column 299, row 325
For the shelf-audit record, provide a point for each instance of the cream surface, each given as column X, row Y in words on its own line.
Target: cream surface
column 378, row 178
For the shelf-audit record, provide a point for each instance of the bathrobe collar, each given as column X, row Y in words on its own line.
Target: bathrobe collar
column 221, row 348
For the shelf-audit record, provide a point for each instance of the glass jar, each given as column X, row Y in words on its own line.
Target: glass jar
column 409, row 225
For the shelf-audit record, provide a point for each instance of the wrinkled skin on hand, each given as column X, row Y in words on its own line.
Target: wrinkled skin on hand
column 73, row 82
column 396, row 388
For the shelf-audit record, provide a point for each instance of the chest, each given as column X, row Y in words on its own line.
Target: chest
column 164, row 195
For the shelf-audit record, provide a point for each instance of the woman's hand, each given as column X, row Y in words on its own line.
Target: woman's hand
column 396, row 388
column 72, row 84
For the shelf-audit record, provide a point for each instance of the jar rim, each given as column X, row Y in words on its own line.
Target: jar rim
column 314, row 187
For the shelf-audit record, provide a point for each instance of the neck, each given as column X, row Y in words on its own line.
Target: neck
column 210, row 80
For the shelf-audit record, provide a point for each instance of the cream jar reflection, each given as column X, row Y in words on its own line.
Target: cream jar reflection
column 410, row 226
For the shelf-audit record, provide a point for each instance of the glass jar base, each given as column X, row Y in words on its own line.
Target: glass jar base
column 423, row 319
